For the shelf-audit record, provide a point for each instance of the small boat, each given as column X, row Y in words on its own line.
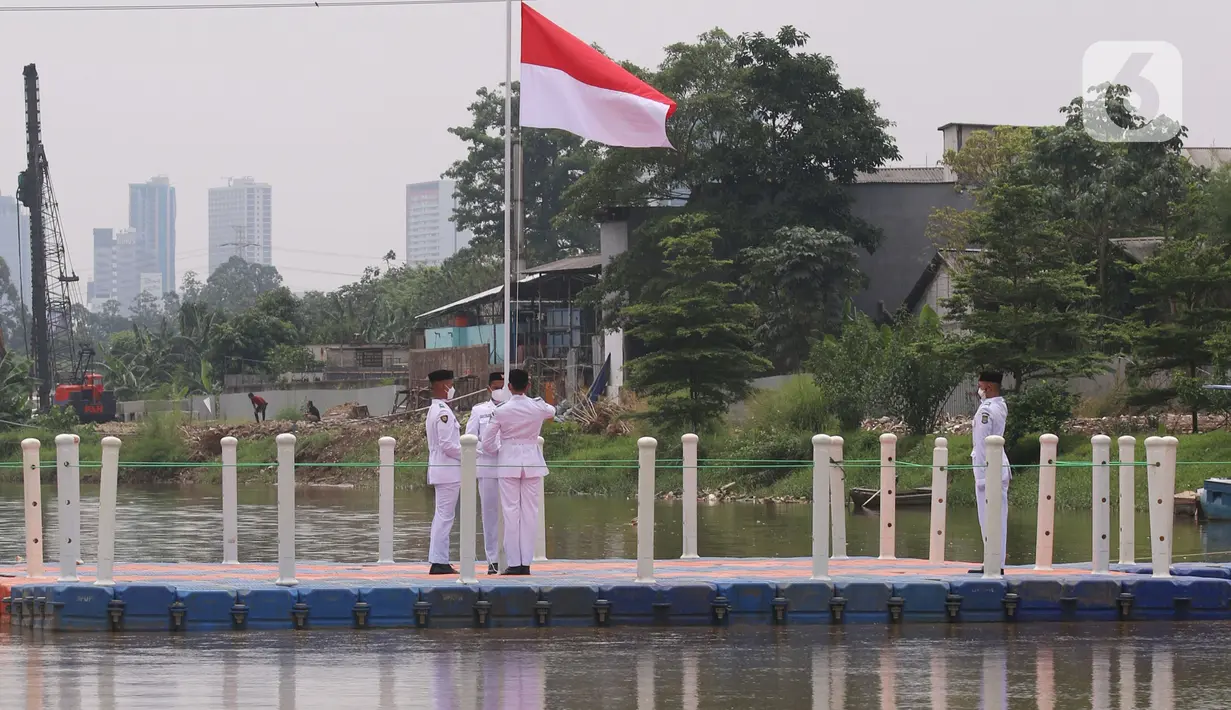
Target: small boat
column 1214, row 498
column 868, row 498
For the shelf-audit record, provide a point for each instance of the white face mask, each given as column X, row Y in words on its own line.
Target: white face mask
column 500, row 396
column 982, row 394
column 450, row 393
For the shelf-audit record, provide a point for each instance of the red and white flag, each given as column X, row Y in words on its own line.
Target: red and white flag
column 567, row 84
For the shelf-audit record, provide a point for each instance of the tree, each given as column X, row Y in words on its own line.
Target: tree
column 14, row 317
column 1022, row 299
column 800, row 280
column 552, row 161
column 983, row 159
column 15, row 388
column 852, row 369
column 235, row 286
column 146, row 311
column 922, row 371
column 699, row 358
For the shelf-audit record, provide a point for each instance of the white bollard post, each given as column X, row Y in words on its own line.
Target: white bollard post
column 384, row 553
column 68, row 488
column 1101, row 504
column 286, row 510
column 1128, row 482
column 1162, row 504
column 888, row 502
column 1044, row 540
column 646, row 447
column 993, row 562
column 820, row 509
column 470, row 484
column 230, row 500
column 689, row 442
column 837, row 497
column 940, row 491
column 540, row 539
column 107, row 490
column 32, row 480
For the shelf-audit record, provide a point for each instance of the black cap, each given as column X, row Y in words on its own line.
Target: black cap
column 495, row 377
column 440, row 375
column 991, row 376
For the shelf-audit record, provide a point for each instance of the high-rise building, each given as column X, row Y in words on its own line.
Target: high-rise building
column 431, row 236
column 15, row 243
column 123, row 269
column 106, row 280
column 240, row 223
column 151, row 214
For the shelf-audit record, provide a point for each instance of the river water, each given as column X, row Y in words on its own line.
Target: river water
column 1044, row 666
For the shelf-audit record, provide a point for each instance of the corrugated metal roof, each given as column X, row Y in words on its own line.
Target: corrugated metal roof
column 923, row 175
column 585, row 262
column 1139, row 248
column 1212, row 158
column 471, row 299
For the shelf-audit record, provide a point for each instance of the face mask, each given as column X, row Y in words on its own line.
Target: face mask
column 500, row 396
column 982, row 394
column 450, row 393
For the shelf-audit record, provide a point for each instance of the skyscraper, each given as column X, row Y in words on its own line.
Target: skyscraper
column 151, row 214
column 15, row 243
column 240, row 223
column 121, row 270
column 431, row 236
column 106, row 280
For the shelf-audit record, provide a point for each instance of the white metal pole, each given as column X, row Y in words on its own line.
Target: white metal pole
column 1168, row 484
column 646, row 447
column 689, row 442
column 889, row 469
column 286, row 510
column 384, row 554
column 470, row 463
column 820, row 510
column 1162, row 504
column 108, row 483
column 1101, row 504
column 68, row 488
column 993, row 559
column 508, row 188
column 837, row 498
column 940, row 491
column 230, row 500
column 32, row 479
column 1044, row 540
column 1128, row 482
column 540, row 537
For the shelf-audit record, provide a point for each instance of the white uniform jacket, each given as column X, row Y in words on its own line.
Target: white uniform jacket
column 989, row 421
column 444, row 444
column 480, row 419
column 514, row 432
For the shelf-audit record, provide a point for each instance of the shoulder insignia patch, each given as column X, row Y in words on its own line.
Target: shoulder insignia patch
column 985, row 417
column 444, row 418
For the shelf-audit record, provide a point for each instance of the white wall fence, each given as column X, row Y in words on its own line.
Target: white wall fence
column 828, row 511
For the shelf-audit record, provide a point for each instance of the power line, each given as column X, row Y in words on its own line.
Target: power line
column 238, row 6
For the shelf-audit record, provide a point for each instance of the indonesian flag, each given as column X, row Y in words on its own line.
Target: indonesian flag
column 567, row 84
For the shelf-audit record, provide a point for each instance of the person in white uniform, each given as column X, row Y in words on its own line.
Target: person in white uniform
column 989, row 420
column 489, row 485
column 514, row 433
column 444, row 468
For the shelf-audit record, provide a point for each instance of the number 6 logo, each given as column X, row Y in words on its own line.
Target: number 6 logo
column 1152, row 112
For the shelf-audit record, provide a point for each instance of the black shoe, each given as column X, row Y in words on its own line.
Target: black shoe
column 493, row 568
column 438, row 568
column 518, row 571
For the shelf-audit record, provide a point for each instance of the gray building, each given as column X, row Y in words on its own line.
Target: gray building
column 15, row 242
column 431, row 235
column 240, row 223
column 106, row 281
column 122, row 269
column 151, row 214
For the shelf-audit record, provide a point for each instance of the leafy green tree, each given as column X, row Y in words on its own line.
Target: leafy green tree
column 922, row 371
column 292, row 358
column 699, row 358
column 15, row 388
column 14, row 318
column 800, row 280
column 235, row 286
column 852, row 369
column 146, row 311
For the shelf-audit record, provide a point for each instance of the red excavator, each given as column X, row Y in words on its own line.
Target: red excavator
column 85, row 393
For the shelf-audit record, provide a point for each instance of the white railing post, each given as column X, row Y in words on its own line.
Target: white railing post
column 1162, row 501
column 286, row 510
column 820, row 510
column 940, row 491
column 1045, row 533
column 888, row 502
column 230, row 500
column 689, row 442
column 540, row 538
column 837, row 498
column 384, row 554
column 1100, row 560
column 32, row 478
column 646, row 447
column 1128, row 482
column 68, row 489
column 470, row 483
column 107, row 490
column 993, row 557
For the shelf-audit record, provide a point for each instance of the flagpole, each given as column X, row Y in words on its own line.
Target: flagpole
column 508, row 188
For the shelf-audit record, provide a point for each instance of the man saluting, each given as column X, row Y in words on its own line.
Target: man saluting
column 989, row 420
column 514, row 433
column 488, row 466
column 444, row 472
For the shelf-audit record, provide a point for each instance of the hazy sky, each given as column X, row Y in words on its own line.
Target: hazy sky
column 339, row 108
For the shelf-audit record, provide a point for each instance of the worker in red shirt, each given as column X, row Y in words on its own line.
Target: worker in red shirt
column 258, row 406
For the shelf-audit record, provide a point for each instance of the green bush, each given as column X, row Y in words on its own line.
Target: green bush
column 290, row 414
column 798, row 405
column 921, row 371
column 158, row 439
column 851, row 370
column 62, row 420
column 1041, row 407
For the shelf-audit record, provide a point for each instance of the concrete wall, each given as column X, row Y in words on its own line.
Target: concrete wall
column 379, row 400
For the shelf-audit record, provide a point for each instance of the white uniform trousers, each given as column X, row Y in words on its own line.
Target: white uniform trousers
column 520, row 498
column 489, row 504
column 981, row 502
column 442, row 522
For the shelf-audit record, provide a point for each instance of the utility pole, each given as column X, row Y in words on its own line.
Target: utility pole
column 30, row 194
column 519, row 207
